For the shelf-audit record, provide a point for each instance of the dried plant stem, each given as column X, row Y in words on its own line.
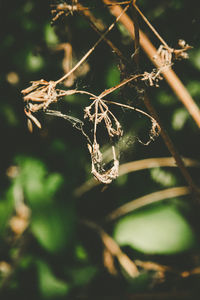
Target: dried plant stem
column 98, row 26
column 127, row 264
column 146, row 200
column 170, row 76
column 93, row 48
column 164, row 133
column 172, row 149
column 137, row 35
column 124, row 82
column 126, row 21
column 165, row 136
column 150, row 163
column 153, row 266
column 150, row 26
column 137, row 165
column 131, row 107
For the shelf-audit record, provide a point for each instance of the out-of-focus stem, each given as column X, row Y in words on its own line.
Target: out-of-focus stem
column 170, row 76
column 146, row 200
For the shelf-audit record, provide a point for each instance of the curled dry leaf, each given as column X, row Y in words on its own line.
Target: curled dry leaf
column 65, row 9
column 181, row 53
column 153, row 77
column 104, row 176
column 39, row 96
column 153, row 134
column 41, row 91
column 167, row 55
column 68, row 62
column 102, row 113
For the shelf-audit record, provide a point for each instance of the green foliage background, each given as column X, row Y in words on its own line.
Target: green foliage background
column 57, row 257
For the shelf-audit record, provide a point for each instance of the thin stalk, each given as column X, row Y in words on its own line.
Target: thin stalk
column 172, row 149
column 170, row 76
column 128, row 265
column 127, row 22
column 147, row 200
column 124, row 82
column 150, row 163
column 98, row 26
column 151, row 26
column 131, row 107
column 93, row 48
column 135, row 55
column 137, row 165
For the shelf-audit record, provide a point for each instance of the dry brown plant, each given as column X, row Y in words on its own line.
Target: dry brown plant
column 68, row 62
column 41, row 94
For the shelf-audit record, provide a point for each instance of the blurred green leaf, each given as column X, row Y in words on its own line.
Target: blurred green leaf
column 179, row 118
column 9, row 115
column 52, row 183
column 28, row 7
column 121, row 180
column 51, row 224
column 50, row 286
column 194, row 88
column 32, row 173
column 160, row 230
column 113, row 76
column 165, row 99
column 195, row 57
column 124, row 33
column 6, row 208
column 176, row 4
column 34, row 63
column 83, row 275
column 58, row 146
column 39, row 188
column 53, row 227
column 50, row 36
column 26, row 261
column 142, row 281
column 163, row 177
column 81, row 253
column 28, row 24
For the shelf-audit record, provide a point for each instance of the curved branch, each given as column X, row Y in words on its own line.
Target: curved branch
column 146, row 200
column 137, row 166
column 170, row 76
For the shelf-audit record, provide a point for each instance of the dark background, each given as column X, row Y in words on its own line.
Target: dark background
column 57, row 256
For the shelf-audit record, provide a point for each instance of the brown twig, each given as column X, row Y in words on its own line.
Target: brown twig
column 150, row 26
column 137, row 166
column 146, row 200
column 174, row 152
column 164, row 134
column 170, row 76
column 126, row 21
column 127, row 264
column 67, row 63
column 93, row 48
column 154, row 163
column 135, row 55
column 45, row 92
column 98, row 26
